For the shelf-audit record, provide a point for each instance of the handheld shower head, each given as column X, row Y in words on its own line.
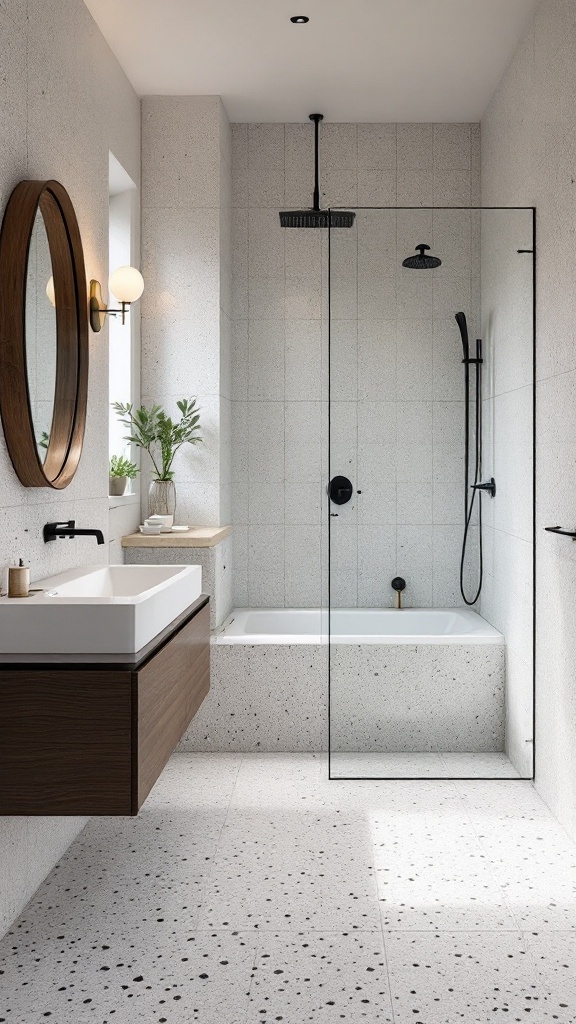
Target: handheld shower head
column 462, row 324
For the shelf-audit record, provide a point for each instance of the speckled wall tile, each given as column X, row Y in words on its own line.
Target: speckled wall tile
column 274, row 697
column 264, row 697
column 281, row 304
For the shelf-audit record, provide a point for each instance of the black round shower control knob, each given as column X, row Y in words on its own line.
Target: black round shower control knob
column 340, row 490
column 398, row 584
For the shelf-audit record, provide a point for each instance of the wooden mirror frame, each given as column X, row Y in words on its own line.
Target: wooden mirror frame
column 71, row 388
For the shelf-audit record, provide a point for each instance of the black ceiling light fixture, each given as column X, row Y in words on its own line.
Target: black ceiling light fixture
column 299, row 19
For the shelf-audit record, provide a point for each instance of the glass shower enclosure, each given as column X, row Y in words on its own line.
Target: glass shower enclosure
column 430, row 504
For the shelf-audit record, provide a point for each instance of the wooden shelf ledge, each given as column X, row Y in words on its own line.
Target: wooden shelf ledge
column 197, row 537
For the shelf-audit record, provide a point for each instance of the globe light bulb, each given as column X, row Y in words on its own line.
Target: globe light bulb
column 127, row 284
column 50, row 292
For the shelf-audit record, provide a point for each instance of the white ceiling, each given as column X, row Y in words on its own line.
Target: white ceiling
column 356, row 60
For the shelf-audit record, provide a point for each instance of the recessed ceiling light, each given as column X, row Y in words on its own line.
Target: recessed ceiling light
column 299, row 19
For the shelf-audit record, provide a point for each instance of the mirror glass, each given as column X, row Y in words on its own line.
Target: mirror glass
column 41, row 337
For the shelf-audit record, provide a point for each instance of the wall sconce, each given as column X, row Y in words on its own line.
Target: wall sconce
column 127, row 284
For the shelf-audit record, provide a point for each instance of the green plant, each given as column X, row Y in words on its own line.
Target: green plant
column 119, row 466
column 155, row 432
column 44, row 440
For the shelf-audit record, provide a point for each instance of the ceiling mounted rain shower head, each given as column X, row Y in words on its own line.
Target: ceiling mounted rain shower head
column 421, row 261
column 315, row 217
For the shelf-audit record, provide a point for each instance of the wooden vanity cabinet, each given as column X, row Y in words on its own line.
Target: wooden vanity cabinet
column 91, row 736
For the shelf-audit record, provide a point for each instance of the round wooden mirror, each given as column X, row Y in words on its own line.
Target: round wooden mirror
column 43, row 334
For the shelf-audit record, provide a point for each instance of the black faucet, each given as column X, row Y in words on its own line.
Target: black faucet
column 53, row 530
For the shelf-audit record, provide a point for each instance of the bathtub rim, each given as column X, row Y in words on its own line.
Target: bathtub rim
column 221, row 638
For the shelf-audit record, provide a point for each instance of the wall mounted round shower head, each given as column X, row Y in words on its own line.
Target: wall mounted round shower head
column 421, row 261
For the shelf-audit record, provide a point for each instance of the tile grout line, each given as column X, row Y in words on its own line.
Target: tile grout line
column 209, row 874
column 284, row 385
column 384, row 946
column 491, row 872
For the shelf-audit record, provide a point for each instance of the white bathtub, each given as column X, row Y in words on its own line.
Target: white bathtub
column 412, row 680
column 356, row 626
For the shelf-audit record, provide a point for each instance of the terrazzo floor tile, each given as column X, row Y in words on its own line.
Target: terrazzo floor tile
column 135, row 874
column 554, row 954
column 258, row 891
column 438, row 880
column 280, row 781
column 441, row 978
column 143, row 843
column 486, row 802
column 421, row 766
column 299, row 871
column 321, row 978
column 172, row 977
column 534, row 862
column 489, row 766
column 397, row 797
column 194, row 781
column 382, row 766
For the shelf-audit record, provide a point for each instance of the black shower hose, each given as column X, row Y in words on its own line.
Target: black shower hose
column 470, row 499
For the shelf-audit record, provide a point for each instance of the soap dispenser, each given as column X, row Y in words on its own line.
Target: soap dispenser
column 18, row 580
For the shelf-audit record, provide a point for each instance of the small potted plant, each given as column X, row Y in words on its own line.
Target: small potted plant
column 121, row 471
column 160, row 436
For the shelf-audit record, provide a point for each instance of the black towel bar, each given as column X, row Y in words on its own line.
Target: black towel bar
column 558, row 529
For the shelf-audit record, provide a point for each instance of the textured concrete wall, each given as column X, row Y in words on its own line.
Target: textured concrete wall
column 64, row 104
column 186, row 218
column 528, row 158
column 396, row 376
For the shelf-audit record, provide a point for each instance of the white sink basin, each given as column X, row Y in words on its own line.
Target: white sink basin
column 113, row 610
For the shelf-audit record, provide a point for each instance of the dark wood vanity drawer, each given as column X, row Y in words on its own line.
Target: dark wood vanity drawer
column 92, row 739
column 65, row 742
column 169, row 689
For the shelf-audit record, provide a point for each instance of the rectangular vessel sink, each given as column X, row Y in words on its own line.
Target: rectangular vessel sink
column 92, row 610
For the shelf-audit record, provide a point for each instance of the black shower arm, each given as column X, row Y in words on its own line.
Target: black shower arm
column 563, row 533
column 316, row 118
